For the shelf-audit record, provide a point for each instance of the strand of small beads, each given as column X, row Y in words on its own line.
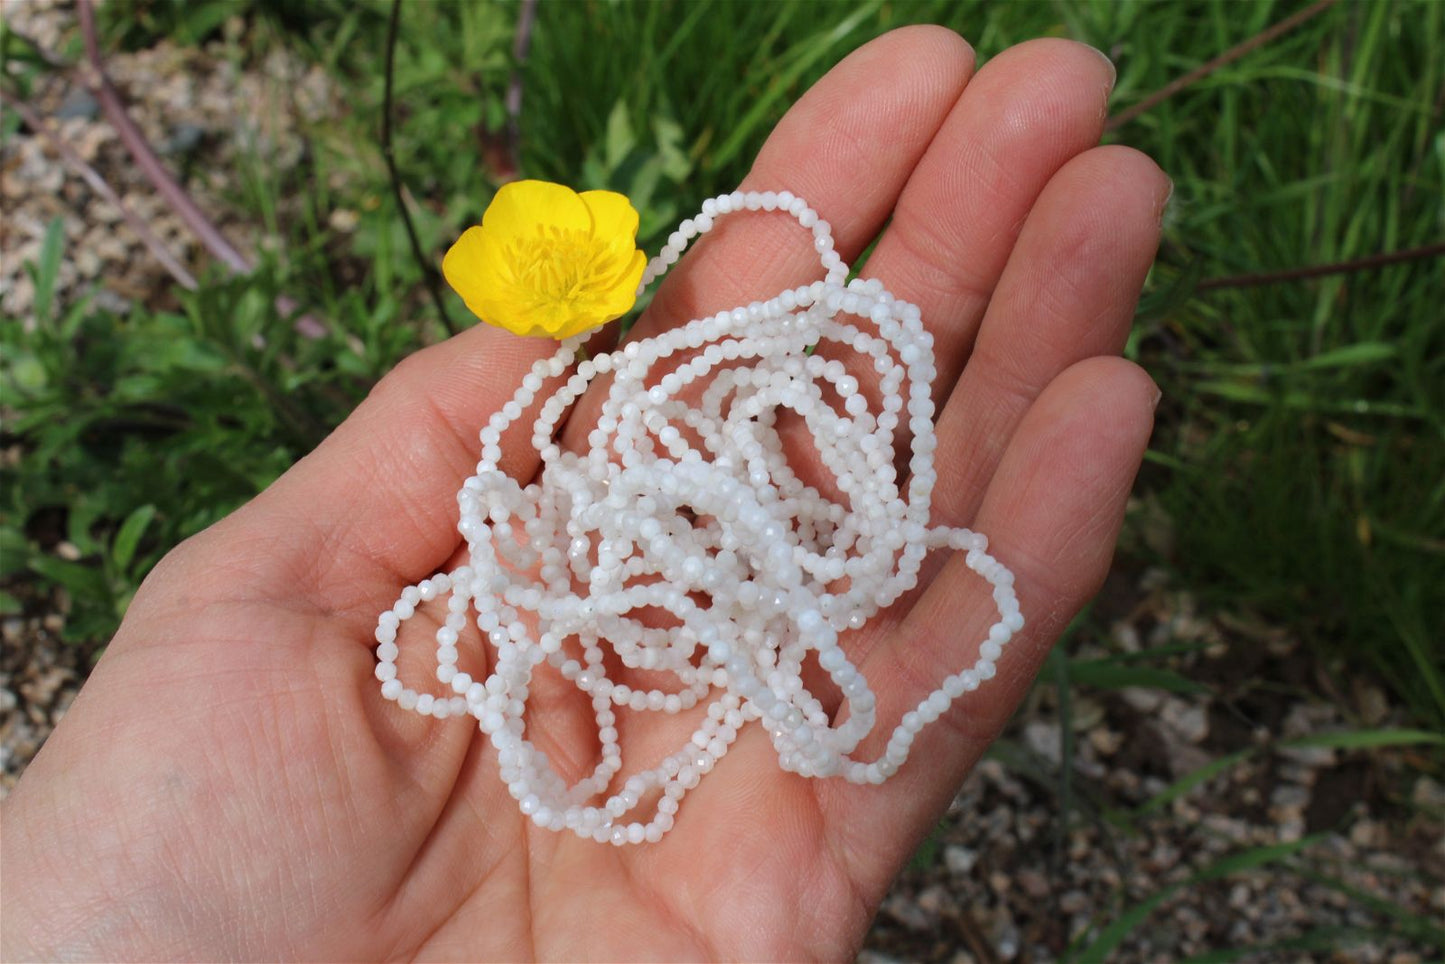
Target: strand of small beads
column 647, row 517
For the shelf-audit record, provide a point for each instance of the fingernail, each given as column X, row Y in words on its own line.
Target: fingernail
column 1158, row 394
column 1113, row 71
column 1168, row 196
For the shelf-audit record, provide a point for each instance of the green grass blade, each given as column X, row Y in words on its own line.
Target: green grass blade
column 814, row 50
column 1358, row 355
column 1422, row 646
column 1113, row 935
column 1111, row 675
column 1195, row 778
column 1367, row 739
column 47, row 270
column 1301, row 401
column 1351, row 356
column 128, row 537
column 1417, row 927
column 1342, row 740
column 1327, row 939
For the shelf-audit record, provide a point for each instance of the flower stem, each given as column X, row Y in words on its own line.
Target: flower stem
column 428, row 275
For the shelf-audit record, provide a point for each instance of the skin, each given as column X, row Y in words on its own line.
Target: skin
column 229, row 783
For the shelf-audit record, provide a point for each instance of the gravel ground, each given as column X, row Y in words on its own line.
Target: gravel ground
column 204, row 114
column 1024, row 863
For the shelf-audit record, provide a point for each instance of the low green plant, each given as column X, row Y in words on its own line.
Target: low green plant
column 141, row 429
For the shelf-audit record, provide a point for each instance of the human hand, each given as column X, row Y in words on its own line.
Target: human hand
column 229, row 784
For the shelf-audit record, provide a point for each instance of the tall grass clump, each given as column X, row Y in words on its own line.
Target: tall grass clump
column 1305, row 416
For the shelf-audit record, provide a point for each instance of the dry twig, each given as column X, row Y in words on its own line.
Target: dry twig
column 145, row 157
column 155, row 171
column 98, row 184
column 1205, row 69
column 521, row 47
column 1381, row 260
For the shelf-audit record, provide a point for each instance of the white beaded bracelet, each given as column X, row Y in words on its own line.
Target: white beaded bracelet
column 675, row 501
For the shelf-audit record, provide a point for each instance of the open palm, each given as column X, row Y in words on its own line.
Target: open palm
column 229, row 784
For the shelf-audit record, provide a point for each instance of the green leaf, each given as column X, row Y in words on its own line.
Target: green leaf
column 1168, row 297
column 75, row 316
column 675, row 163
column 807, row 54
column 1112, row 936
column 197, row 21
column 78, row 579
column 87, row 624
column 1307, row 402
column 14, row 550
column 1362, row 353
column 48, row 269
column 1420, row 928
column 9, row 604
column 1168, row 461
column 1330, row 940
column 1111, row 675
column 620, row 140
column 926, row 856
column 25, row 372
column 1193, row 779
column 1343, row 740
column 1253, row 857
column 128, row 537
column 85, row 512
column 1366, row 739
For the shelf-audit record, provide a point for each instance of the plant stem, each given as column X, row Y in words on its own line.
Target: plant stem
column 135, row 142
column 396, row 188
column 1319, row 270
column 145, row 157
column 1205, row 69
column 98, row 184
column 521, row 46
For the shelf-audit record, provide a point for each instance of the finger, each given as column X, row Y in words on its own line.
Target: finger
column 1068, row 293
column 895, row 91
column 1052, row 514
column 375, row 504
column 1028, row 111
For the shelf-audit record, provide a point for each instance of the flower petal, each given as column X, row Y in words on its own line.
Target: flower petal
column 621, row 294
column 471, row 266
column 519, row 207
column 503, row 311
column 566, row 324
column 613, row 216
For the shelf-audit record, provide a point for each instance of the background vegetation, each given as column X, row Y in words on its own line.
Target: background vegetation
column 1298, row 472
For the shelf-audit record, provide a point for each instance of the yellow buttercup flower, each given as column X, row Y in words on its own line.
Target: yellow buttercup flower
column 548, row 261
